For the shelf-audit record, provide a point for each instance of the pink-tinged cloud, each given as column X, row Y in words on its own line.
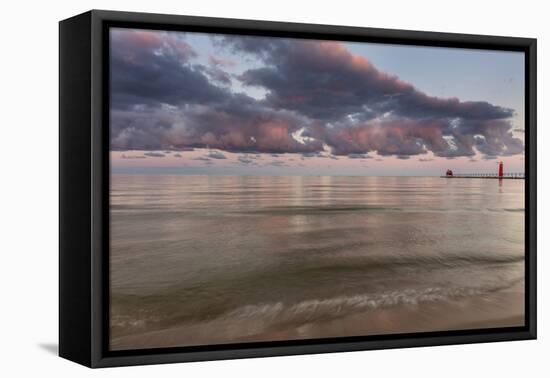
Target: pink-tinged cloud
column 333, row 99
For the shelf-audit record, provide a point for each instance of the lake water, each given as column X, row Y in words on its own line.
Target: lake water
column 199, row 260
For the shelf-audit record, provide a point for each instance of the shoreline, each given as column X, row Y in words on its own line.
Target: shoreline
column 500, row 310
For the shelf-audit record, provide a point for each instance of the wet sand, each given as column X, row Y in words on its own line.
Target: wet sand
column 504, row 309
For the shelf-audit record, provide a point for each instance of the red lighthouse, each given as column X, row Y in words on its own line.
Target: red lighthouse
column 500, row 170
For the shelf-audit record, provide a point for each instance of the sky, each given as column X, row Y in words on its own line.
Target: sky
column 196, row 103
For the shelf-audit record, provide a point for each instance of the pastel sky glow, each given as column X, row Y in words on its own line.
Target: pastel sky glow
column 196, row 103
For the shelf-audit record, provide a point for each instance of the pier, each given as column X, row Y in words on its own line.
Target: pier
column 500, row 175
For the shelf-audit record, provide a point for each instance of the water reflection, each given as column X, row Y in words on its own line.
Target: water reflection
column 208, row 259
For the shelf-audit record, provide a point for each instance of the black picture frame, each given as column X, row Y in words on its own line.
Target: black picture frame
column 84, row 188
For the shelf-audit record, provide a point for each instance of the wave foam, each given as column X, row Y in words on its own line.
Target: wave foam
column 333, row 307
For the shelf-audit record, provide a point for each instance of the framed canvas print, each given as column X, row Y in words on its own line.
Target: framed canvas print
column 233, row 188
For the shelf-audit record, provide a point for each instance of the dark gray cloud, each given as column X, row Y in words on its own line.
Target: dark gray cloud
column 124, row 156
column 319, row 95
column 359, row 156
column 218, row 75
column 150, row 68
column 316, row 154
column 322, row 79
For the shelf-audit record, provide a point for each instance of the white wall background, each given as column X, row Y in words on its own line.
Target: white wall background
column 28, row 190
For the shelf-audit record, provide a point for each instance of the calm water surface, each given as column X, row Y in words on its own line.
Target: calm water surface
column 215, row 259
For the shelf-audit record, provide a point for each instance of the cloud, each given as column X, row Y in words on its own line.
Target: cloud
column 161, row 99
column 325, row 82
column 177, row 155
column 238, row 124
column 245, row 160
column 154, row 154
column 277, row 163
column 202, row 158
column 241, row 124
column 216, row 155
column 321, row 101
column 359, row 156
column 217, row 61
column 216, row 74
column 124, row 156
column 151, row 68
column 425, row 160
column 314, row 154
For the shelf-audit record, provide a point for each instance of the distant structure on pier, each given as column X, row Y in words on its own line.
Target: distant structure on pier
column 501, row 175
